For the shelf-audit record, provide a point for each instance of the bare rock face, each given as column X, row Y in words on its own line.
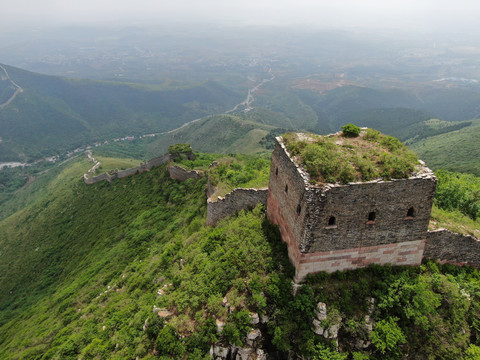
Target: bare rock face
column 219, row 352
column 321, row 311
column 255, row 318
column 251, row 351
column 335, row 322
column 254, row 337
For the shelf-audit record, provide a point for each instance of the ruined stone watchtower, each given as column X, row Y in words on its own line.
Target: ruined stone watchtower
column 333, row 226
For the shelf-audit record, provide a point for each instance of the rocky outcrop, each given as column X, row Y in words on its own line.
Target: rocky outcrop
column 326, row 326
column 219, row 352
column 232, row 203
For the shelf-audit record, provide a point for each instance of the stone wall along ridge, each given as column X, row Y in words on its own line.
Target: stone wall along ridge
column 181, row 174
column 160, row 160
column 453, row 248
column 232, row 203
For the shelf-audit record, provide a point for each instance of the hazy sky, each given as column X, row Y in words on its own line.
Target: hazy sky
column 407, row 14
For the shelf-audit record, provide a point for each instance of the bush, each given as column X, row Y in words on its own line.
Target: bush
column 180, row 148
column 387, row 336
column 350, row 130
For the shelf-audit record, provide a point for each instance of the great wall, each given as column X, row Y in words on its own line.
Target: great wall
column 337, row 227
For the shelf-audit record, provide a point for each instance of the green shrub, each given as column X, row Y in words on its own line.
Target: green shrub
column 179, row 148
column 387, row 336
column 350, row 130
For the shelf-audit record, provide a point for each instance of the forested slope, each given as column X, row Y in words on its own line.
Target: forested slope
column 81, row 270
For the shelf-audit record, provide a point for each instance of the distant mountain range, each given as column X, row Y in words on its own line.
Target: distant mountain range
column 55, row 114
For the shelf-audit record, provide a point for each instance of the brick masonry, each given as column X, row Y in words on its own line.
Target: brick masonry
column 402, row 253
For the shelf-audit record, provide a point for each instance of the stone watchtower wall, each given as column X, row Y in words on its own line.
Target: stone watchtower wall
column 340, row 227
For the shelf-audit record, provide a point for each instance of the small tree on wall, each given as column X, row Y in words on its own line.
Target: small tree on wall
column 350, row 130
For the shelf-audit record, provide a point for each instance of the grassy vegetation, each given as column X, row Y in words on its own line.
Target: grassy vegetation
column 236, row 171
column 427, row 312
column 55, row 262
column 457, row 203
column 455, row 221
column 460, row 192
column 345, row 159
column 135, row 149
column 455, row 151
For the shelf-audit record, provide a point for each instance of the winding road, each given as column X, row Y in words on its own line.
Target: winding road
column 17, row 87
column 247, row 103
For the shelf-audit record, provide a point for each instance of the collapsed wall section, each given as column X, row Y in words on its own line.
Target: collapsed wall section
column 179, row 173
column 450, row 247
column 232, row 203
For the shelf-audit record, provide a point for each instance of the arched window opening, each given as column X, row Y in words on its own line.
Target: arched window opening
column 332, row 221
column 286, row 189
column 276, row 171
column 371, row 216
column 299, row 209
column 411, row 212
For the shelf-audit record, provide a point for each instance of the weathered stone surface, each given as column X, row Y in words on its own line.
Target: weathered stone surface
column 246, row 354
column 451, row 247
column 321, row 311
column 179, row 173
column 332, row 331
column 219, row 352
column 405, row 253
column 317, row 327
column 255, row 318
column 253, row 337
column 319, row 221
column 232, row 203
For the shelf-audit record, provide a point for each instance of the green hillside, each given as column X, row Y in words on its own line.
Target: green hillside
column 56, row 114
column 456, row 150
column 220, row 134
column 82, row 268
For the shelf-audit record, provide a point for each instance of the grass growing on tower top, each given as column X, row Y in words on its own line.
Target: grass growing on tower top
column 336, row 158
